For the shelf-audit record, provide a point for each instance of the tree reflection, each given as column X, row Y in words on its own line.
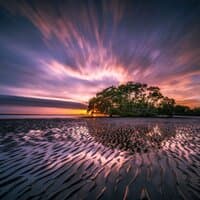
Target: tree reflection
column 132, row 138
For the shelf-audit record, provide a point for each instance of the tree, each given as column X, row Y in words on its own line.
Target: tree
column 167, row 106
column 181, row 110
column 196, row 111
column 131, row 99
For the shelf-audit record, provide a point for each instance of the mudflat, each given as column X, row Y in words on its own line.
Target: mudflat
column 100, row 158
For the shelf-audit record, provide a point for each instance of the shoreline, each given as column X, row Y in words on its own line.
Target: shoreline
column 40, row 116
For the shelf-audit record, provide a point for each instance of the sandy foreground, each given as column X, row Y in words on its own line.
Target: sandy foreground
column 119, row 158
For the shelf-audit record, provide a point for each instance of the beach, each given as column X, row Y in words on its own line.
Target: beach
column 100, row 158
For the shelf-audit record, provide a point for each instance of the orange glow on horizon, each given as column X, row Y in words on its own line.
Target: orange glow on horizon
column 192, row 103
column 42, row 110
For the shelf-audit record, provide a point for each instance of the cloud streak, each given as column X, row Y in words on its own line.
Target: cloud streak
column 27, row 101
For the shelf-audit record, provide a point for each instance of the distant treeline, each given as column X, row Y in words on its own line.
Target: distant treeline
column 136, row 99
column 185, row 110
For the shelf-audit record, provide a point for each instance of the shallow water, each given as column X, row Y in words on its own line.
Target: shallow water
column 119, row 158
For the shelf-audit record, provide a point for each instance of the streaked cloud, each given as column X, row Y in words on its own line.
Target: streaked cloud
column 70, row 50
column 27, row 101
column 27, row 105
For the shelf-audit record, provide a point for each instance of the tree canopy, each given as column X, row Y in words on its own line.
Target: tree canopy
column 136, row 99
column 131, row 99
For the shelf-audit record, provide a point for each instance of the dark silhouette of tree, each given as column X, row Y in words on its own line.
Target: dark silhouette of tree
column 131, row 99
column 196, row 111
column 181, row 110
column 136, row 99
column 166, row 106
column 185, row 110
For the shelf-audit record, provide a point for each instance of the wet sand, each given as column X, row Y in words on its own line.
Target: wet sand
column 119, row 158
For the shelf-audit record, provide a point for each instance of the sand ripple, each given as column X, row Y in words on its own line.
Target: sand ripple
column 100, row 159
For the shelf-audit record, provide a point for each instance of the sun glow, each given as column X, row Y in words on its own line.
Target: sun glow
column 41, row 110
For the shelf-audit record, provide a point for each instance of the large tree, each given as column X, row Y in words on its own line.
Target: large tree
column 131, row 99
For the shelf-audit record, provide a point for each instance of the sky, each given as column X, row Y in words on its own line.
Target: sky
column 55, row 55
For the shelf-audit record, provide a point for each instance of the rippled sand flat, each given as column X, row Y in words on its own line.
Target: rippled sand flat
column 119, row 158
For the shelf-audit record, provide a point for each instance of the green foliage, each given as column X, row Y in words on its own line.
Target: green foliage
column 196, row 111
column 185, row 110
column 131, row 99
column 136, row 99
column 167, row 106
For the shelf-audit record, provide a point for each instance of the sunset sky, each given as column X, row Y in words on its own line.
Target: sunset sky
column 54, row 56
